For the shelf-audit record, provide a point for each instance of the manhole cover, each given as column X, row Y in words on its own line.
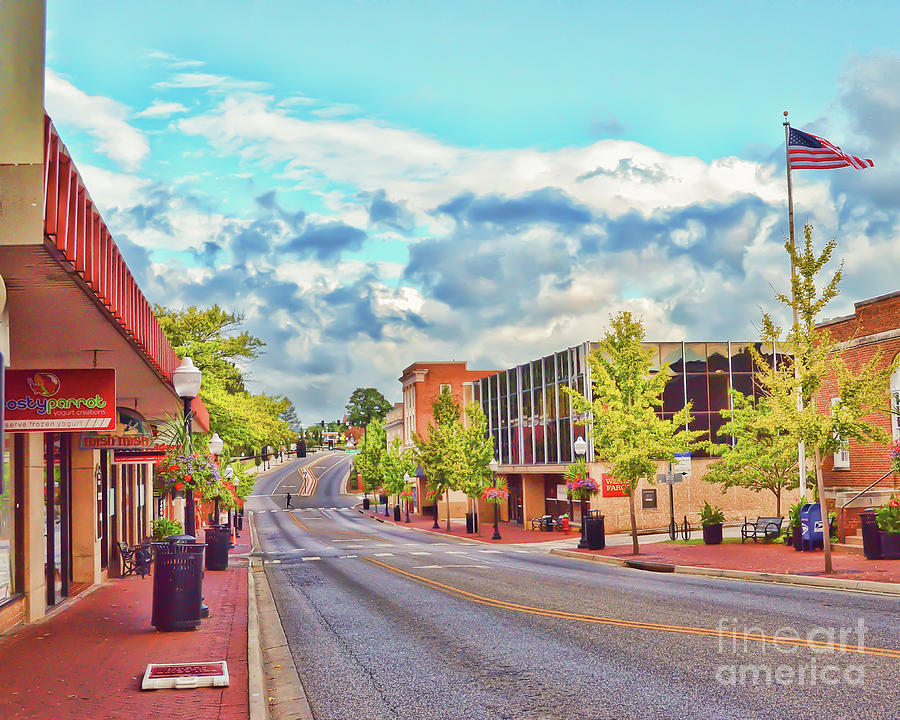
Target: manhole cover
column 185, row 676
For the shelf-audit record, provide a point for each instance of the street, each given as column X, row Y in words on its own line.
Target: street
column 384, row 621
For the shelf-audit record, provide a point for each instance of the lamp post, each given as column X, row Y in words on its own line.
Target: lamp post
column 581, row 450
column 228, row 473
column 494, row 466
column 186, row 379
column 216, row 445
column 405, row 483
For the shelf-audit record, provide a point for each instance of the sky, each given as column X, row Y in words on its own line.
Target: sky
column 375, row 184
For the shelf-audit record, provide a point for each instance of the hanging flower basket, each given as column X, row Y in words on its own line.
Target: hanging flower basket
column 581, row 487
column 495, row 495
column 180, row 472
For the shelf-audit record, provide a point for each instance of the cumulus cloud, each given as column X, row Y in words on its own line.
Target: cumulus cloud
column 160, row 109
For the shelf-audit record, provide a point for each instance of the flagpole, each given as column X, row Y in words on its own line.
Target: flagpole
column 801, row 447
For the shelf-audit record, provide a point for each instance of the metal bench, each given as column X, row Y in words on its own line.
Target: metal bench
column 135, row 560
column 767, row 528
column 544, row 523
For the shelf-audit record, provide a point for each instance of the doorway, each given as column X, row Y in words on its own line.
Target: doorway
column 58, row 513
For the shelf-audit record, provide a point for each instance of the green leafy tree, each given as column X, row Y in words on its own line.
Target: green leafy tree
column 628, row 432
column 815, row 356
column 762, row 456
column 476, row 450
column 365, row 405
column 369, row 462
column 435, row 450
column 396, row 464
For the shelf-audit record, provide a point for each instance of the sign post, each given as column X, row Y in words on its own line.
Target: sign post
column 670, row 478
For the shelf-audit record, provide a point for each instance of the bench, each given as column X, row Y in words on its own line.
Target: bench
column 545, row 523
column 135, row 560
column 767, row 528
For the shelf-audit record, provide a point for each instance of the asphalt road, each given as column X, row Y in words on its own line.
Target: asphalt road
column 389, row 622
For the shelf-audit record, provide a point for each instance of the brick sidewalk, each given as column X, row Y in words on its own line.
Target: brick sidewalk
column 759, row 557
column 88, row 661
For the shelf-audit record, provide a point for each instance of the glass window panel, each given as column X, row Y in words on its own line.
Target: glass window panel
column 527, row 450
column 695, row 357
column 525, row 376
column 537, row 373
column 671, row 353
column 717, row 357
column 513, row 381
column 782, row 355
column 562, row 366
column 504, row 418
column 565, row 441
column 743, row 383
column 697, row 393
column 716, row 421
column 654, row 358
column 476, row 392
column 502, row 380
column 578, row 431
column 539, row 437
column 538, row 406
column 8, row 548
column 526, row 406
column 495, row 436
column 741, row 361
column 673, row 394
column 718, row 392
column 550, row 401
column 504, row 446
column 564, row 404
column 765, row 349
column 552, row 453
column 514, row 447
column 700, row 422
column 514, row 407
column 493, row 381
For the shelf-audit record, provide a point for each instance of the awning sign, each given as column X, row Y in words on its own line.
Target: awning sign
column 613, row 488
column 60, row 400
column 132, row 431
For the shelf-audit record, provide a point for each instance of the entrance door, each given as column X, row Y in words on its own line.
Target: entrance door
column 103, row 499
column 516, row 502
column 58, row 512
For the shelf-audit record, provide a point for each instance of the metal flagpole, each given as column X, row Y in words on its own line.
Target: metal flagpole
column 801, row 447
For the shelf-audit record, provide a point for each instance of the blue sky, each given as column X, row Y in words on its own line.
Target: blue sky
column 371, row 178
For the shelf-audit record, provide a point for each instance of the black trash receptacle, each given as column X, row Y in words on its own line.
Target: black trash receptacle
column 218, row 541
column 366, row 503
column 595, row 532
column 470, row 523
column 396, row 513
column 868, row 525
column 177, row 583
column 240, row 520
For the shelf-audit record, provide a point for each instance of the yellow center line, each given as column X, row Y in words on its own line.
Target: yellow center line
column 659, row 627
column 291, row 516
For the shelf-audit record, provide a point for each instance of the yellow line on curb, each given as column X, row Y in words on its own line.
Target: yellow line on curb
column 659, row 627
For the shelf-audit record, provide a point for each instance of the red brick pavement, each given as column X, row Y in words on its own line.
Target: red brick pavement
column 759, row 557
column 87, row 661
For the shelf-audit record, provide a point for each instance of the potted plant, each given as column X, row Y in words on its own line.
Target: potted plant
column 888, row 519
column 163, row 528
column 712, row 517
column 796, row 526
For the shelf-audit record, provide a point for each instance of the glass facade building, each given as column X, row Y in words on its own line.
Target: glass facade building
column 532, row 422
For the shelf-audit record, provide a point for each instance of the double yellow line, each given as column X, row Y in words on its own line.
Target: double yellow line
column 658, row 627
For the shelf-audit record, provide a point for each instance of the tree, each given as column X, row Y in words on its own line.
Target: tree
column 824, row 428
column 628, row 432
column 395, row 465
column 762, row 457
column 369, row 462
column 435, row 451
column 365, row 405
column 289, row 417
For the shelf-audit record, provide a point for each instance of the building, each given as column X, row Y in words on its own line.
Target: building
column 534, row 430
column 874, row 327
column 421, row 382
column 393, row 424
column 88, row 363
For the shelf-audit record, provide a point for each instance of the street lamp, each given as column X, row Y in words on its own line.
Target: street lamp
column 228, row 473
column 405, row 483
column 216, row 445
column 581, row 450
column 494, row 467
column 186, row 379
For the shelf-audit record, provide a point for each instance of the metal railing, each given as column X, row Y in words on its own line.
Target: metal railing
column 859, row 494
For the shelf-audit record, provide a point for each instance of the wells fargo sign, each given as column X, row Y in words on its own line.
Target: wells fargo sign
column 64, row 400
column 613, row 488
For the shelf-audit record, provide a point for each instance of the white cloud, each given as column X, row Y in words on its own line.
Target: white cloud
column 209, row 81
column 161, row 109
column 104, row 119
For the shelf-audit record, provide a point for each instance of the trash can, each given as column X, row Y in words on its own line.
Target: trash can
column 470, row 523
column 218, row 541
column 396, row 513
column 177, row 583
column 366, row 503
column 871, row 538
column 811, row 527
column 240, row 520
column 595, row 531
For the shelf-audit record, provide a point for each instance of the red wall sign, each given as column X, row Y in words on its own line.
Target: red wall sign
column 614, row 488
column 64, row 400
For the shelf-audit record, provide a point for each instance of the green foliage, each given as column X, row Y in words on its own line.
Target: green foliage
column 711, row 515
column 163, row 527
column 365, row 405
column 369, row 463
column 794, row 512
column 394, row 465
column 628, row 433
column 888, row 516
column 762, row 457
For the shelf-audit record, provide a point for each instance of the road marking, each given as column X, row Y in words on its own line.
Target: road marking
column 635, row 624
column 455, row 552
column 495, row 552
column 420, row 553
column 425, row 567
column 348, row 556
column 327, row 515
column 311, row 557
column 261, row 512
column 294, row 518
column 522, row 551
column 273, row 562
column 383, row 554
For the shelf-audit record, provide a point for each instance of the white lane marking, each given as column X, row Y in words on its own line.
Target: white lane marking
column 454, row 552
column 427, row 567
column 437, row 544
column 348, row 556
column 522, row 551
column 420, row 553
column 411, row 544
column 495, row 552
column 383, row 554
column 297, row 550
column 273, row 562
column 327, row 515
column 482, row 567
column 261, row 512
column 311, row 557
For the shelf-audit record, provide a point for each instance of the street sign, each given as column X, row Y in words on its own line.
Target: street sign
column 682, row 463
column 669, row 478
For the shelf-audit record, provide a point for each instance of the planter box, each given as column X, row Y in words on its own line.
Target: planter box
column 890, row 546
column 712, row 534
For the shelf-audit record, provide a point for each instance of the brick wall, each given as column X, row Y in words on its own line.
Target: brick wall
column 440, row 373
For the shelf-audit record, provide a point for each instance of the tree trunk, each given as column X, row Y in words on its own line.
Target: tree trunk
column 826, row 530
column 448, row 510
column 635, row 550
column 777, row 492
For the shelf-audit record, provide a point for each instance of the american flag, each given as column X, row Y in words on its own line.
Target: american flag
column 810, row 152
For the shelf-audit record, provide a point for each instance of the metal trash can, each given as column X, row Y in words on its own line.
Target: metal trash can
column 366, row 503
column 218, row 542
column 871, row 538
column 177, row 583
column 595, row 531
column 396, row 513
column 240, row 520
column 470, row 523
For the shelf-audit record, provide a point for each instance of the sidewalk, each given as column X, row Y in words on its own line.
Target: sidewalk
column 88, row 660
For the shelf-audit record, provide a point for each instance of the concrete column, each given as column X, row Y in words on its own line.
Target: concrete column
column 149, row 508
column 178, row 507
column 533, row 504
column 35, row 550
column 85, row 540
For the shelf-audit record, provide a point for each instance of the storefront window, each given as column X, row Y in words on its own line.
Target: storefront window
column 7, row 521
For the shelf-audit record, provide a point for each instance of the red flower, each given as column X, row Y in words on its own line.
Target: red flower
column 179, row 486
column 187, row 478
column 894, row 502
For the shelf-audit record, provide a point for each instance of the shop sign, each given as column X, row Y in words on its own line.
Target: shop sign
column 132, row 432
column 60, row 400
column 143, row 455
column 613, row 488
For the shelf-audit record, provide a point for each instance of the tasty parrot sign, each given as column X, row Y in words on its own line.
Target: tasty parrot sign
column 60, row 400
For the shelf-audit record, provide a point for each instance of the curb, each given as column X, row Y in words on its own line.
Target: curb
column 272, row 668
column 827, row 583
